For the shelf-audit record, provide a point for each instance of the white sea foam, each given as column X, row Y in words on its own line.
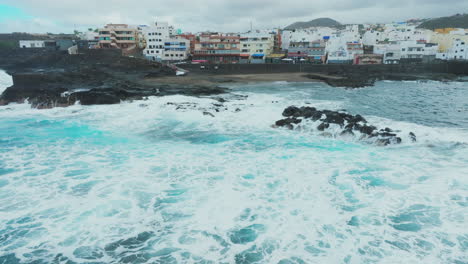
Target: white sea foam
column 200, row 183
column 5, row 81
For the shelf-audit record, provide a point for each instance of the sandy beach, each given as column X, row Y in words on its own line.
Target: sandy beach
column 206, row 79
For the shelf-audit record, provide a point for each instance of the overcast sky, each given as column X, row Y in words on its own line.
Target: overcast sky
column 218, row 15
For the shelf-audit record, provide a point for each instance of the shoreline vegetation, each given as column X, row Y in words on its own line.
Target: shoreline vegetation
column 56, row 79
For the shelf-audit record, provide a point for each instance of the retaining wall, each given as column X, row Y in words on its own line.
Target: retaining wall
column 446, row 67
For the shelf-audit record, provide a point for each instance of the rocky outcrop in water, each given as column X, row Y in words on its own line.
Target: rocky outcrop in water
column 356, row 79
column 98, row 77
column 345, row 125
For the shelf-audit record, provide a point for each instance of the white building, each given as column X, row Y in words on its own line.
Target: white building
column 417, row 49
column 305, row 35
column 27, row 44
column 155, row 36
column 176, row 49
column 391, row 52
column 459, row 51
column 160, row 45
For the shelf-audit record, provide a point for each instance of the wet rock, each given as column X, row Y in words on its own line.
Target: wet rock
column 367, row 129
column 307, row 112
column 334, row 118
column 323, row 126
column 382, row 142
column 357, row 119
column 350, row 124
column 208, row 114
column 58, row 79
column 288, row 122
column 291, row 111
column 387, row 134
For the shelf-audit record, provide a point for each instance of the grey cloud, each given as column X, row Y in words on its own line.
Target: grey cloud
column 197, row 15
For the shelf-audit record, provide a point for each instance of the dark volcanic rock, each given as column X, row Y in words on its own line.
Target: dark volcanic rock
column 288, row 122
column 290, row 111
column 323, row 126
column 350, row 124
column 367, row 129
column 58, row 79
column 334, row 118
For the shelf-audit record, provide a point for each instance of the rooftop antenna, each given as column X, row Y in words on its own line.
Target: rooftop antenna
column 251, row 26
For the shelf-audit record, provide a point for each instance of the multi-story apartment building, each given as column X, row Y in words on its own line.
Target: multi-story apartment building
column 120, row 36
column 217, row 48
column 176, row 49
column 155, row 36
column 190, row 37
column 161, row 45
column 311, row 51
column 459, row 51
column 391, row 52
column 418, row 51
column 255, row 46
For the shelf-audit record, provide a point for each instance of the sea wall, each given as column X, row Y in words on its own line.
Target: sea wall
column 445, row 67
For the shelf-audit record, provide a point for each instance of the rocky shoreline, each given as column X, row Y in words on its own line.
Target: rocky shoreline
column 56, row 79
column 339, row 123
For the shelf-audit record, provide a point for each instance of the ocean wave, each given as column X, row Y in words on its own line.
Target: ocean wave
column 159, row 181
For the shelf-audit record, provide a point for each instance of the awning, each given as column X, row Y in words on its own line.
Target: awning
column 258, row 55
column 272, row 56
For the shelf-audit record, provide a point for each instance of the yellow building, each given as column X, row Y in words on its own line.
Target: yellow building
column 444, row 30
column 446, row 39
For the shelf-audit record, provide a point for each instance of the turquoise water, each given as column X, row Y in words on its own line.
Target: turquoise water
column 135, row 183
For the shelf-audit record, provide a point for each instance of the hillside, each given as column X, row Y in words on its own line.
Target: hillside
column 456, row 21
column 319, row 22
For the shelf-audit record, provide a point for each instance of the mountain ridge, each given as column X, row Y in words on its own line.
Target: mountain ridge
column 455, row 21
column 319, row 22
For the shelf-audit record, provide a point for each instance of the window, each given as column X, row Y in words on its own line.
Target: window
column 403, row 49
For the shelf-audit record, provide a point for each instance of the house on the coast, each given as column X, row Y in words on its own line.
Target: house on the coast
column 256, row 46
column 458, row 51
column 217, row 48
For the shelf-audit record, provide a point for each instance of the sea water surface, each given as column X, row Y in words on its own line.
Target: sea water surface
column 145, row 182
